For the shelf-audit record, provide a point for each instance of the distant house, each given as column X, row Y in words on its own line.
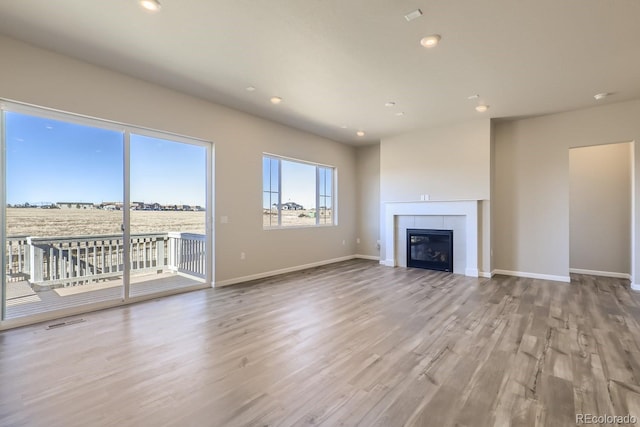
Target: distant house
column 290, row 206
column 75, row 205
column 110, row 206
column 141, row 206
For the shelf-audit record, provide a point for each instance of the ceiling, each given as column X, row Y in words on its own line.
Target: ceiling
column 335, row 63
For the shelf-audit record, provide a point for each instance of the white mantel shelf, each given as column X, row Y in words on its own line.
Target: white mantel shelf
column 467, row 208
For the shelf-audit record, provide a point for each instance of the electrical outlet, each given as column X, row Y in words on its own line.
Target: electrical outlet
column 242, row 255
column 344, row 242
column 224, row 219
column 358, row 240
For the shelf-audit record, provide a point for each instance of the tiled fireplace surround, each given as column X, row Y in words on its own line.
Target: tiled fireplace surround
column 461, row 216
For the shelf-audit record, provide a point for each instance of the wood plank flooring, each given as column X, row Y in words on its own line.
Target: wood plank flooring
column 349, row 344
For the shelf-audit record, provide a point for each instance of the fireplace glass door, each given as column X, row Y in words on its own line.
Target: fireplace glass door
column 430, row 249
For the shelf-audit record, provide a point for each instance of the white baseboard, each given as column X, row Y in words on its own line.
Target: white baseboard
column 566, row 279
column 635, row 287
column 242, row 279
column 600, row 273
column 471, row 272
column 388, row 262
column 371, row 257
column 486, row 274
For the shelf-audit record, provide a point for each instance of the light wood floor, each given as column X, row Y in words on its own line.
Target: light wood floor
column 348, row 344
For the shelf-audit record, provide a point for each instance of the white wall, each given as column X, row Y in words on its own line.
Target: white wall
column 368, row 194
column 600, row 208
column 531, row 189
column 447, row 163
column 44, row 78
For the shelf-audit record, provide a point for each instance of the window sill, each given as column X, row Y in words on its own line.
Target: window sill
column 294, row 227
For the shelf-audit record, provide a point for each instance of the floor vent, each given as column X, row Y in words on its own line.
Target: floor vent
column 65, row 323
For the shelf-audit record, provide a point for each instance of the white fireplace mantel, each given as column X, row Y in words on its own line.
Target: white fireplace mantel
column 467, row 208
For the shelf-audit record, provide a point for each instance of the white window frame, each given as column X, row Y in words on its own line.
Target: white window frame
column 334, row 209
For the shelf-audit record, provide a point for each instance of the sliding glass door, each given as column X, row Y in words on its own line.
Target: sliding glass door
column 168, row 206
column 63, row 214
column 97, row 213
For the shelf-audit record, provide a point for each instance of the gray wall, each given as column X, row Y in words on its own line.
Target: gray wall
column 368, row 189
column 600, row 208
column 44, row 78
column 447, row 163
column 531, row 189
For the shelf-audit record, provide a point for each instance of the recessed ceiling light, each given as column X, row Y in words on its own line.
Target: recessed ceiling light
column 413, row 15
column 473, row 96
column 250, row 88
column 400, row 113
column 360, row 133
column 390, row 104
column 430, row 41
column 276, row 100
column 151, row 5
column 482, row 108
column 600, row 96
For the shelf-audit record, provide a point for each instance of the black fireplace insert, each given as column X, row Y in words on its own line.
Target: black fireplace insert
column 430, row 249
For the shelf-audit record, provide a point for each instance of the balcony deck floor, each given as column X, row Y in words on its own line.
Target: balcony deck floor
column 22, row 301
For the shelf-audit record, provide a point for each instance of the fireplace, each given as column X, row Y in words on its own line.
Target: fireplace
column 461, row 216
column 430, row 249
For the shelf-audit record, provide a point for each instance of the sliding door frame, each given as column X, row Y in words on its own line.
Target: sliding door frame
column 3, row 222
column 209, row 195
column 127, row 131
column 126, row 215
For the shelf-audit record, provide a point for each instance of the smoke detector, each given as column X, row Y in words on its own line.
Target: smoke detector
column 413, row 15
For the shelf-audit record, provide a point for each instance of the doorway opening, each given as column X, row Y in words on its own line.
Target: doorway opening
column 600, row 210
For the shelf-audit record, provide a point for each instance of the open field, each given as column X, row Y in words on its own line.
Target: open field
column 79, row 222
column 90, row 222
column 294, row 218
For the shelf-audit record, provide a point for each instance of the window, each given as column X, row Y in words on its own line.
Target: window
column 296, row 194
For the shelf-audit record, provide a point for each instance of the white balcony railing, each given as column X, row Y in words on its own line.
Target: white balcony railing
column 52, row 262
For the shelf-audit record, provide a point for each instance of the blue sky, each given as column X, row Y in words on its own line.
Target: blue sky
column 298, row 183
column 167, row 172
column 50, row 161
